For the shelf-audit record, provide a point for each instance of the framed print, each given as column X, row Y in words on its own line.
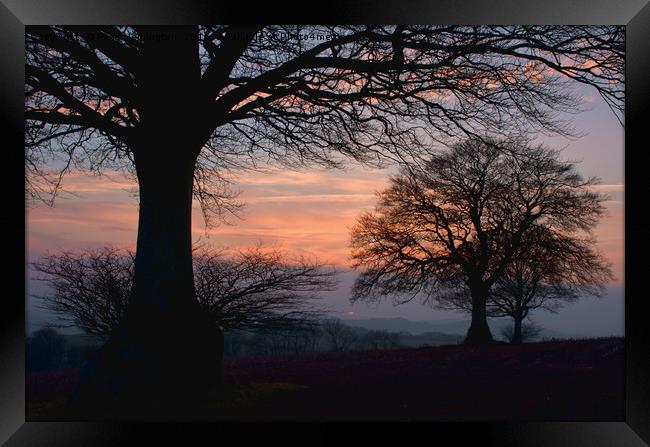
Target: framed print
column 425, row 212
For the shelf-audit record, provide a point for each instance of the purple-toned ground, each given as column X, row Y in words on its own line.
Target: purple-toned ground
column 560, row 380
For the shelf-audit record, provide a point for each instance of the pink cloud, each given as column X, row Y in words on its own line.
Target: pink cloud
column 303, row 212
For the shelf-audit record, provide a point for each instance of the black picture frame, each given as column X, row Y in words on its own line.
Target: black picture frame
column 15, row 14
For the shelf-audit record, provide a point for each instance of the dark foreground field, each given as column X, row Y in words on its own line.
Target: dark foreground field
column 560, row 380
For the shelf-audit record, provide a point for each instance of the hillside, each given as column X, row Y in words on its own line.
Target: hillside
column 562, row 380
column 449, row 327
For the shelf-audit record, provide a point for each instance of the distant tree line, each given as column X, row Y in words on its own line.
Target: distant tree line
column 48, row 350
column 324, row 335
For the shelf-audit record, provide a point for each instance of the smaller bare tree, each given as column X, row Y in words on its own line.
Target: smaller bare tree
column 551, row 270
column 88, row 290
column 527, row 332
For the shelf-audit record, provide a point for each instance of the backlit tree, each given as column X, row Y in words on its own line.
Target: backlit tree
column 451, row 231
column 178, row 107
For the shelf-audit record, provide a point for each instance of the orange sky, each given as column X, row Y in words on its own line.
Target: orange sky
column 311, row 212
column 303, row 212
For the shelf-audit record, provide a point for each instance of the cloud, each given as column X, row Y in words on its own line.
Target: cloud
column 305, row 212
column 610, row 187
column 108, row 181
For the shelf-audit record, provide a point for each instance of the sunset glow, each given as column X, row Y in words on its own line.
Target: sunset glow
column 311, row 211
column 302, row 212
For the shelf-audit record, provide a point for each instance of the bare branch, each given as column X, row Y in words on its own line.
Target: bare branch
column 251, row 290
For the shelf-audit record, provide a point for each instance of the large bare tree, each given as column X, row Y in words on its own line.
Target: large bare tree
column 459, row 223
column 178, row 106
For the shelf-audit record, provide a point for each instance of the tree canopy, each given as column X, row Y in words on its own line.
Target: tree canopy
column 459, row 223
column 367, row 92
column 550, row 271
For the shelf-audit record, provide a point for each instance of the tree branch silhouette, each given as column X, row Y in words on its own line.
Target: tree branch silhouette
column 449, row 232
column 166, row 103
column 243, row 291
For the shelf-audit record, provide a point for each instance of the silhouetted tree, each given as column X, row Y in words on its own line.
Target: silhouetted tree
column 88, row 290
column 175, row 106
column 339, row 336
column 548, row 270
column 526, row 332
column 552, row 270
column 45, row 350
column 248, row 290
column 456, row 225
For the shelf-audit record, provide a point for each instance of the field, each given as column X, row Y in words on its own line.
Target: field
column 569, row 380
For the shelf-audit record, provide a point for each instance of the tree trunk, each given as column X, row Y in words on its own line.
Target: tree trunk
column 164, row 359
column 479, row 331
column 516, row 334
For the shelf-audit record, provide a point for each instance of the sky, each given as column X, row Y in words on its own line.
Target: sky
column 311, row 211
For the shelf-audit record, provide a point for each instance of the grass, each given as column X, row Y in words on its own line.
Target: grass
column 552, row 380
column 45, row 409
column 237, row 399
column 243, row 396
